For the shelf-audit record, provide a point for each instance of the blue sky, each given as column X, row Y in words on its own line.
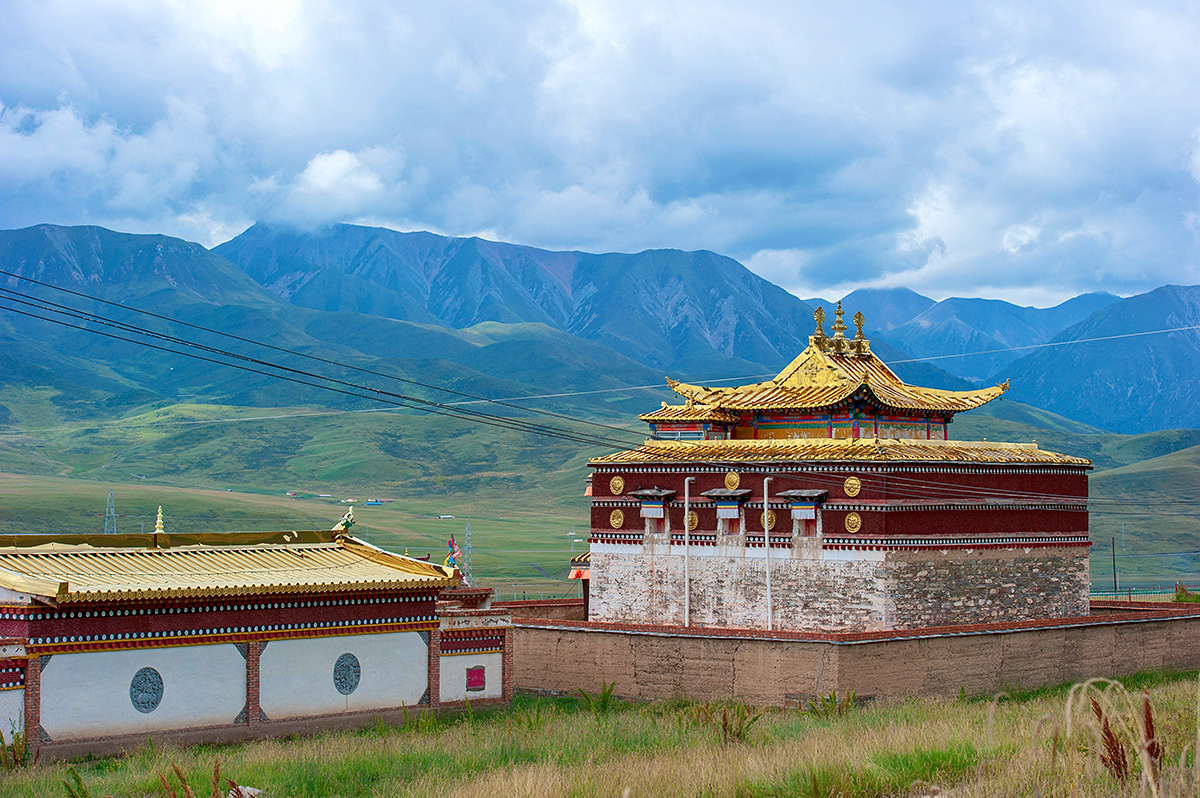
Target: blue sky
column 1025, row 151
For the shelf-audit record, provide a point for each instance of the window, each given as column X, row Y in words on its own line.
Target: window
column 475, row 679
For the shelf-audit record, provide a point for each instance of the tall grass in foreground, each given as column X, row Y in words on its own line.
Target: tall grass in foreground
column 1050, row 742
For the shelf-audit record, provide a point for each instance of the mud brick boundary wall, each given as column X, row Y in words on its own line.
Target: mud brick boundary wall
column 781, row 668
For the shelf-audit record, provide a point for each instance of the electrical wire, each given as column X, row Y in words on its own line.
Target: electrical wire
column 473, row 397
column 373, row 394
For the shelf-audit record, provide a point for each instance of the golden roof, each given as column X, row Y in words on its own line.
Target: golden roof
column 159, row 566
column 689, row 411
column 828, row 371
column 838, row 449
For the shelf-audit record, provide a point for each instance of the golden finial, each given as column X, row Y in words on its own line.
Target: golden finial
column 860, row 345
column 158, row 526
column 819, row 315
column 839, row 326
column 839, row 332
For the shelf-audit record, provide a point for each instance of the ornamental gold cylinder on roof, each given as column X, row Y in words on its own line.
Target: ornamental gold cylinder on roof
column 732, row 480
column 617, row 485
column 616, row 519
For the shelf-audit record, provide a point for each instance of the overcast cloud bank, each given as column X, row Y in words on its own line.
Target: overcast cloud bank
column 1028, row 151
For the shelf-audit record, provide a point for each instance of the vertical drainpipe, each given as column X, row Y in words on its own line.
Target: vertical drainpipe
column 767, row 541
column 687, row 547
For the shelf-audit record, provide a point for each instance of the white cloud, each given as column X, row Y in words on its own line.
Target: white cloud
column 1013, row 147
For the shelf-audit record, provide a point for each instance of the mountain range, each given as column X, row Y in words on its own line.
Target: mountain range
column 512, row 320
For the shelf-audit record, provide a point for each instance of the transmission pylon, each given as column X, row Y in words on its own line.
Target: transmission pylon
column 110, row 515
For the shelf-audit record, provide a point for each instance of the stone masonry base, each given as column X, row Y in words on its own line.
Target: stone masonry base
column 783, row 668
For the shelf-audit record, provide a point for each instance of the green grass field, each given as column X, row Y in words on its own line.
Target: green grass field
column 215, row 467
column 1047, row 742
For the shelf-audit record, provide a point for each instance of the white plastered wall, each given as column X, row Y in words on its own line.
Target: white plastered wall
column 12, row 711
column 87, row 695
column 454, row 676
column 296, row 676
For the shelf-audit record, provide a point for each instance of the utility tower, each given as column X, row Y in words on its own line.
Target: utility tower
column 110, row 515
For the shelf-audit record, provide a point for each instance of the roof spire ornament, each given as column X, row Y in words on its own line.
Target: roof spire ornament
column 860, row 345
column 158, row 525
column 819, row 315
column 839, row 331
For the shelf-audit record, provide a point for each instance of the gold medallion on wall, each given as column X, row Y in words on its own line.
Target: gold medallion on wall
column 693, row 520
column 853, row 523
column 732, row 480
column 616, row 519
column 768, row 520
column 617, row 485
column 852, row 486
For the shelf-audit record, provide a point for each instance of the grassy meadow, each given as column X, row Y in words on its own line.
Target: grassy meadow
column 1049, row 743
column 222, row 467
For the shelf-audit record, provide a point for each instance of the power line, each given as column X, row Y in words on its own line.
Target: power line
column 372, row 394
column 341, row 364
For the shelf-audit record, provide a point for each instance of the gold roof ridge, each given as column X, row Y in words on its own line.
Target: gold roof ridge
column 831, row 370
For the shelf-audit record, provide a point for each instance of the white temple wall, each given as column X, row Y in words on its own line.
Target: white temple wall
column 839, row 590
column 12, row 711
column 297, row 677
column 453, row 684
column 92, row 694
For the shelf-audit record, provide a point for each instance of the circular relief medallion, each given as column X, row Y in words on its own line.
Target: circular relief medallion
column 693, row 520
column 146, row 690
column 616, row 519
column 617, row 485
column 852, row 486
column 853, row 522
column 768, row 520
column 732, row 480
column 346, row 673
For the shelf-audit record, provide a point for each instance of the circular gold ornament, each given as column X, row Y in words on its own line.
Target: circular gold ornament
column 768, row 520
column 616, row 519
column 853, row 523
column 852, row 486
column 693, row 520
column 617, row 485
column 732, row 480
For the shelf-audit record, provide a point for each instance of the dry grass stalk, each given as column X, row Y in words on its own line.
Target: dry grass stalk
column 1112, row 751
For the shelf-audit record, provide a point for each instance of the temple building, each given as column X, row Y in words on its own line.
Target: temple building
column 104, row 636
column 832, row 498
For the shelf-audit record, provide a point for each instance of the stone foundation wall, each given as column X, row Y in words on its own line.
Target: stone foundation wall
column 838, row 591
column 985, row 585
column 666, row 663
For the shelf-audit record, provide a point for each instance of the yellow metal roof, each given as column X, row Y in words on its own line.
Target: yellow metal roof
column 862, row 449
column 821, row 376
column 124, row 567
column 690, row 411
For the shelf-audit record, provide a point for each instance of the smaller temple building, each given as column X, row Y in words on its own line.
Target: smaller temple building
column 832, row 498
column 103, row 636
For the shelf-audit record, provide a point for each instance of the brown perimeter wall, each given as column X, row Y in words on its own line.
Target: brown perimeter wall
column 781, row 669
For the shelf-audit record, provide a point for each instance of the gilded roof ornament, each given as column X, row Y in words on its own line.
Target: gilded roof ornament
column 819, row 315
column 860, row 345
column 839, row 331
column 158, row 524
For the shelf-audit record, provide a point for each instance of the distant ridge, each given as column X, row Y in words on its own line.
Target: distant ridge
column 1131, row 385
column 665, row 308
